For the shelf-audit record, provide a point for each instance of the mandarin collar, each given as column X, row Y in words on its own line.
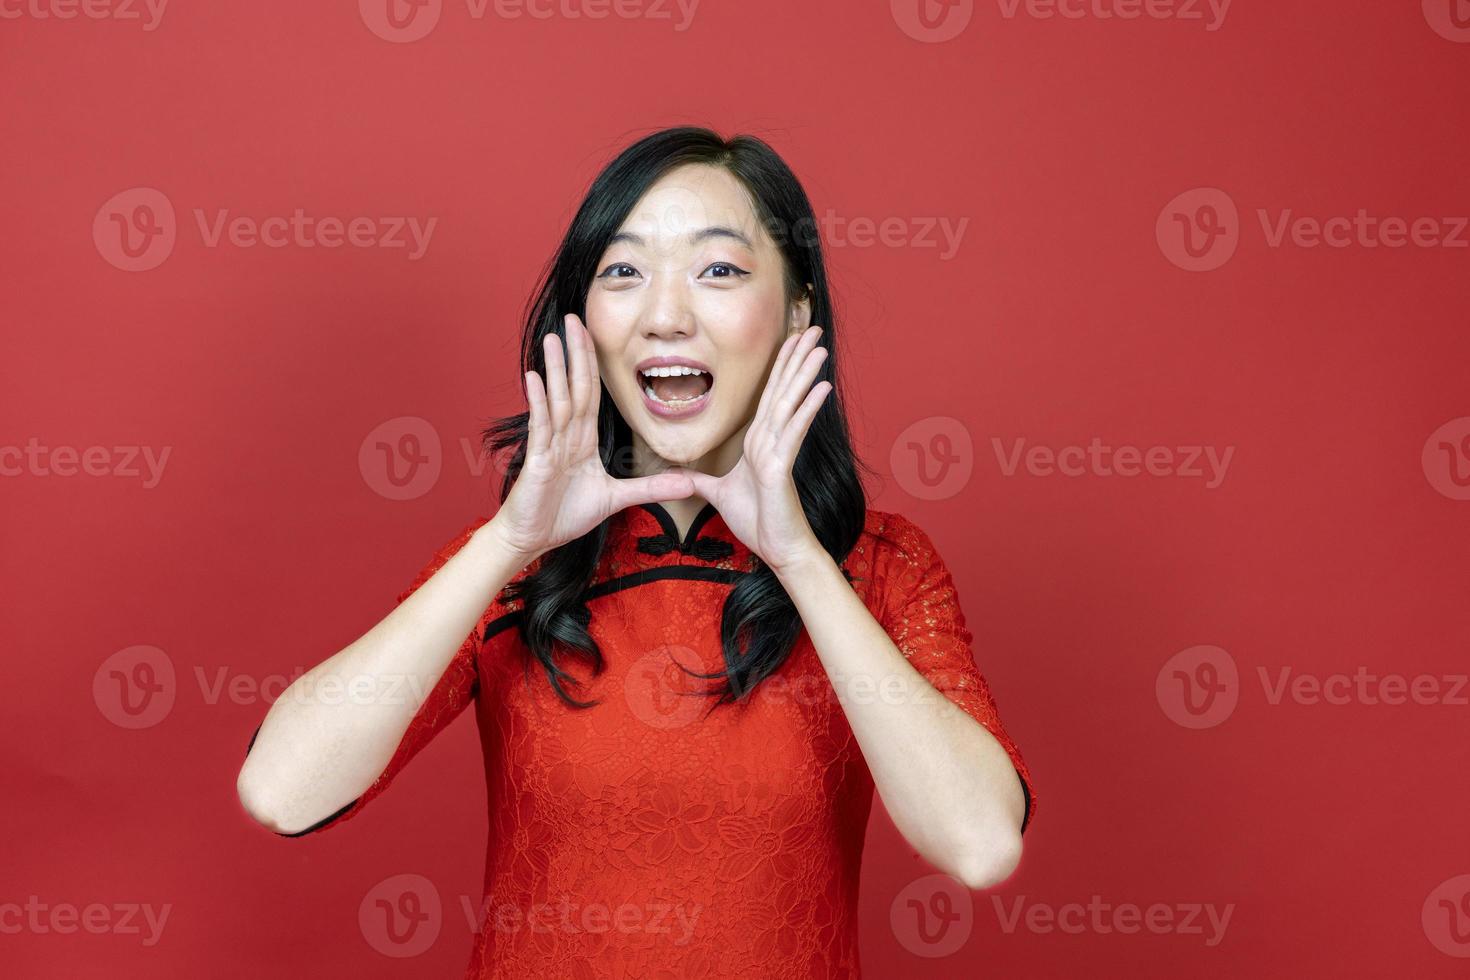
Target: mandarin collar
column 654, row 533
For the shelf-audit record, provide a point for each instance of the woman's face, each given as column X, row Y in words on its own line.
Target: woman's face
column 692, row 275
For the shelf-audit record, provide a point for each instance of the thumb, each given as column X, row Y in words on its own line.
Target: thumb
column 705, row 485
column 672, row 485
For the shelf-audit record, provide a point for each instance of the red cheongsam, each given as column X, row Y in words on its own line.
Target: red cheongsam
column 732, row 844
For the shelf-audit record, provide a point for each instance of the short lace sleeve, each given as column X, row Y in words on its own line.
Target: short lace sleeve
column 456, row 688
column 922, row 615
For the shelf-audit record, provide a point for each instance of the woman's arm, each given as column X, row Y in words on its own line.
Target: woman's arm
column 950, row 787
column 319, row 750
column 333, row 731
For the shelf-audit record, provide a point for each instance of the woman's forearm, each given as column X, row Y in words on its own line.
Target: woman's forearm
column 329, row 735
column 948, row 784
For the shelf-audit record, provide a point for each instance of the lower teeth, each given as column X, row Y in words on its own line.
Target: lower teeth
column 676, row 403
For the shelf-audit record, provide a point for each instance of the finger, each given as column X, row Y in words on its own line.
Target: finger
column 556, row 384
column 783, row 375
column 650, row 489
column 589, row 374
column 584, row 408
column 594, row 383
column 799, row 387
column 576, row 369
column 538, row 437
column 774, row 378
column 587, row 388
column 705, row 485
column 794, row 363
column 795, row 433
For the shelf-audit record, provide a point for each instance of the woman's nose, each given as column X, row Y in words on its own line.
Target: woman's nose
column 668, row 311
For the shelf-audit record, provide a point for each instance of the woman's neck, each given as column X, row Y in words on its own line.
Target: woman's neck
column 716, row 463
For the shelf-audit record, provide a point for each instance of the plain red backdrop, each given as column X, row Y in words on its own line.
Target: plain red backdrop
column 1328, row 547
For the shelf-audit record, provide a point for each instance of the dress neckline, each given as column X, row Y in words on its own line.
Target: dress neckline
column 654, row 533
column 671, row 529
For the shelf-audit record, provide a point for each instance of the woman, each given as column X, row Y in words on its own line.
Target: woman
column 692, row 649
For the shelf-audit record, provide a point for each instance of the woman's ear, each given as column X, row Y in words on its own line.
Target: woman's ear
column 801, row 312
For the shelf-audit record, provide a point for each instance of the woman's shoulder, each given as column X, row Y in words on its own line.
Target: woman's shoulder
column 888, row 534
column 891, row 546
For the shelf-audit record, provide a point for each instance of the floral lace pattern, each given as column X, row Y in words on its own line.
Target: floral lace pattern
column 638, row 838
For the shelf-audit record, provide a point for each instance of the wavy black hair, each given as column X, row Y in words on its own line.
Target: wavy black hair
column 759, row 624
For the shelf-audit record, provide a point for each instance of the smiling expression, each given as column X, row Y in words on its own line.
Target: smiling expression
column 691, row 278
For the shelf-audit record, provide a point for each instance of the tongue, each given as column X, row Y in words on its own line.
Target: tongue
column 680, row 388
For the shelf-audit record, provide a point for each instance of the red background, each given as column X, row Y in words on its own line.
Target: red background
column 1327, row 547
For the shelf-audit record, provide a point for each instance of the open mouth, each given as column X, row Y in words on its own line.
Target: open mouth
column 675, row 387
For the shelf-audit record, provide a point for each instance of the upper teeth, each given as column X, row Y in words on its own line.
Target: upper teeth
column 671, row 372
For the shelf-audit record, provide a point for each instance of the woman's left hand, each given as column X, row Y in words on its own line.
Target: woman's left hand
column 757, row 498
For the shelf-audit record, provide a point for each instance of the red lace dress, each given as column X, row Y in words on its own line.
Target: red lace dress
column 647, row 840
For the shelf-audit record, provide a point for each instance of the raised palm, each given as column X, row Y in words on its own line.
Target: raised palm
column 563, row 490
column 757, row 498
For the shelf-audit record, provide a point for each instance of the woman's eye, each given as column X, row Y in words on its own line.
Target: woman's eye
column 720, row 270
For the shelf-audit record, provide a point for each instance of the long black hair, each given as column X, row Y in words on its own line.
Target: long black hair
column 759, row 624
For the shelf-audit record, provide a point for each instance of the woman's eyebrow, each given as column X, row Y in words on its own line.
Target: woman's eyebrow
column 695, row 237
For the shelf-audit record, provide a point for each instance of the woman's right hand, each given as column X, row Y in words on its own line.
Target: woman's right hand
column 563, row 490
